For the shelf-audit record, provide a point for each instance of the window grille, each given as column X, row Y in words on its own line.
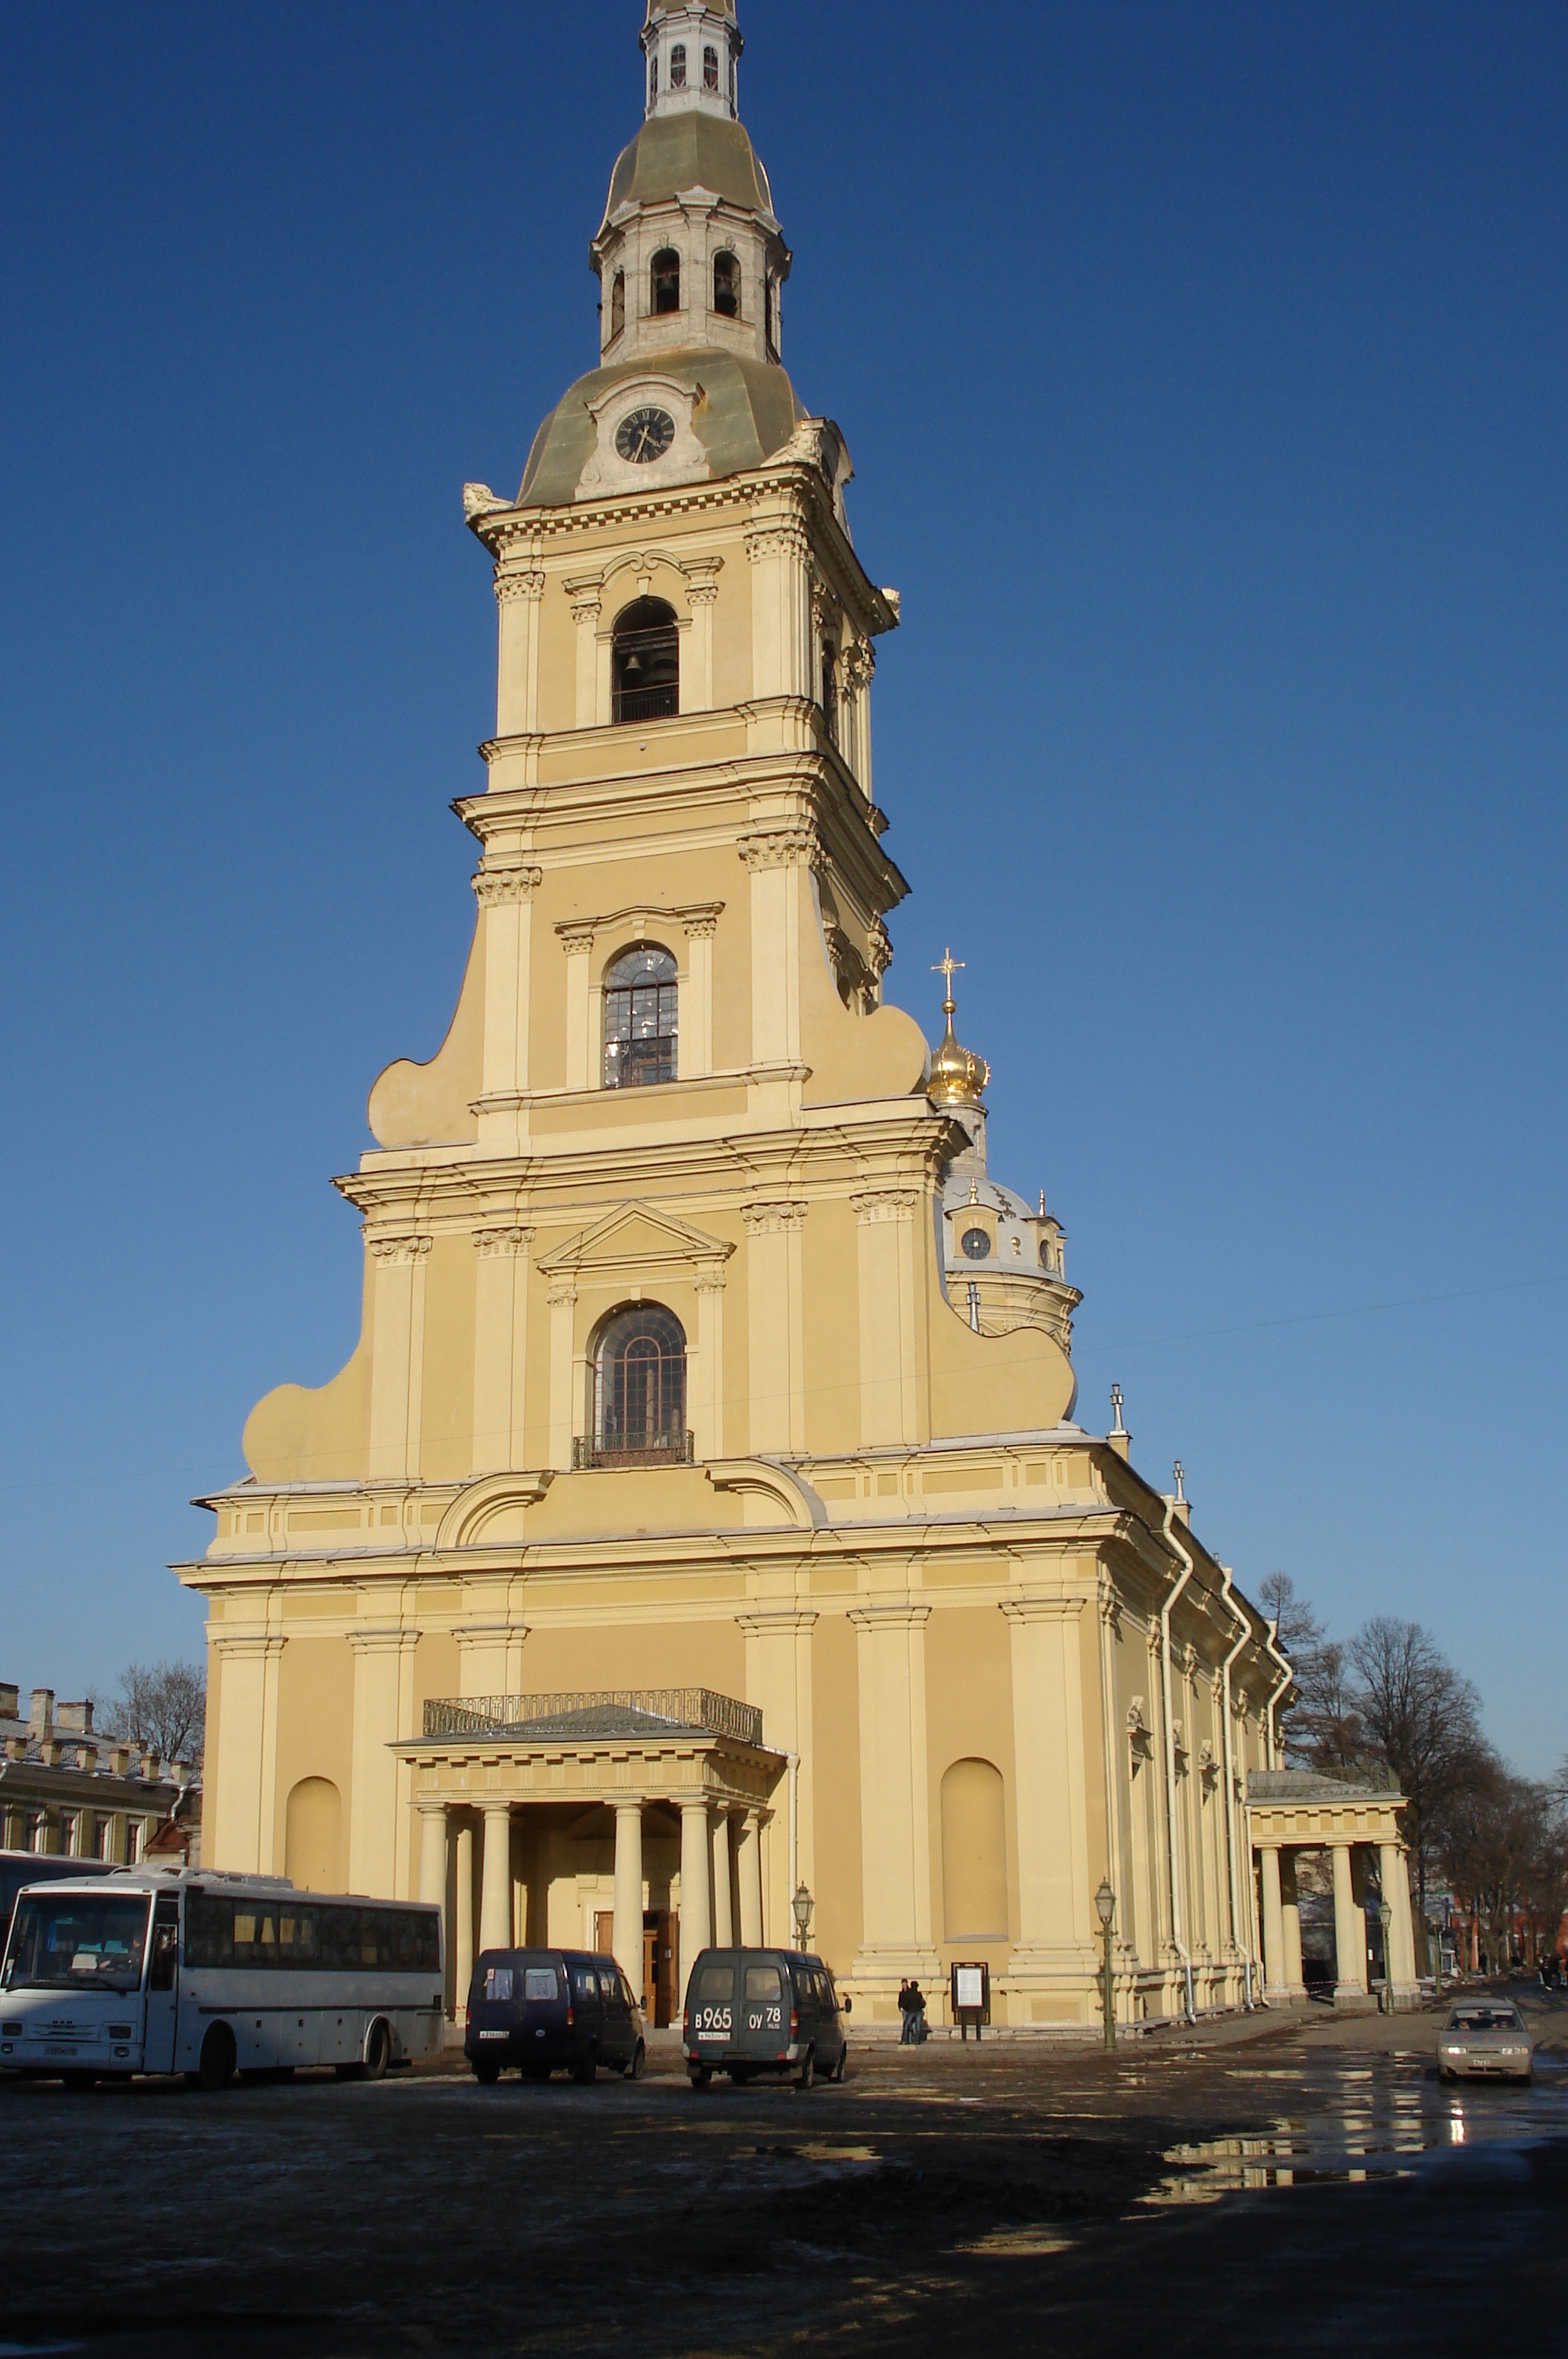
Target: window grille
column 678, row 66
column 617, row 304
column 645, row 662
column 640, row 1390
column 711, row 68
column 641, row 1019
column 726, row 286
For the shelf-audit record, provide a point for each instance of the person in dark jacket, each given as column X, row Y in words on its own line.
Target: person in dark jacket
column 912, row 2007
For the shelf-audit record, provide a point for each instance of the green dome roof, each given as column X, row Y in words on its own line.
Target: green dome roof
column 748, row 410
column 673, row 153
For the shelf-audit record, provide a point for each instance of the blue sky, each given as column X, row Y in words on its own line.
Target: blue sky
column 1202, row 368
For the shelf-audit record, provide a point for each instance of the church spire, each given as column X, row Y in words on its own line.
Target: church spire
column 693, row 48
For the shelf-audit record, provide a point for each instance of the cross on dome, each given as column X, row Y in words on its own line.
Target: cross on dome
column 958, row 1076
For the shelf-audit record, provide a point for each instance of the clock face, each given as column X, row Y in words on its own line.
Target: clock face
column 645, row 436
column 976, row 1244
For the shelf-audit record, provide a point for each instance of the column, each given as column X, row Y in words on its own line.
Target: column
column 707, row 1377
column 780, row 555
column 500, row 1347
column 1393, row 1877
column 1349, row 1933
column 773, row 862
column 895, row 1808
column 697, row 1002
column 517, row 687
column 724, row 1914
column 695, row 1923
column 1295, row 1981
column 505, row 892
column 778, row 1680
column 886, row 1237
column 379, row 1667
column 1275, row 1982
column 577, row 943
column 563, row 1404
column 749, row 1865
column 463, row 1910
column 628, row 1934
column 702, row 593
column 432, row 1853
column 496, row 1890
column 398, row 1353
column 776, row 1324
column 585, row 604
column 242, row 1831
column 1056, row 1932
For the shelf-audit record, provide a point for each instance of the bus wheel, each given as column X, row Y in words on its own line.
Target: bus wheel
column 378, row 2052
column 217, row 2059
column 487, row 2075
column 80, row 2084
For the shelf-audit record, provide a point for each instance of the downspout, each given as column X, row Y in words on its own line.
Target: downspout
column 794, row 1761
column 1270, row 1730
column 1243, row 1943
column 1178, row 1915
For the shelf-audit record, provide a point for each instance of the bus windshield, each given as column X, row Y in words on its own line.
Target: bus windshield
column 77, row 1942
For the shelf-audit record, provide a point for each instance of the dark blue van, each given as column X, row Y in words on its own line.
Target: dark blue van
column 542, row 2011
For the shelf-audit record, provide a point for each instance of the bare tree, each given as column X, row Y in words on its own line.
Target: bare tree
column 1296, row 1628
column 1502, row 1846
column 1423, row 1718
column 1322, row 1727
column 159, row 1708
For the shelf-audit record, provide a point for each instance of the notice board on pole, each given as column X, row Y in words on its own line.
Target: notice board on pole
column 970, row 1994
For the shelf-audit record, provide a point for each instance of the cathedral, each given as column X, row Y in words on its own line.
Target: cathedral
column 699, row 1543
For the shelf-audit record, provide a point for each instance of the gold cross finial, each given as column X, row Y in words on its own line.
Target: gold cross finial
column 948, row 966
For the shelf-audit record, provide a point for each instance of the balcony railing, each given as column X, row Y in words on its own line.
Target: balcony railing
column 634, row 1450
column 645, row 704
column 588, row 1713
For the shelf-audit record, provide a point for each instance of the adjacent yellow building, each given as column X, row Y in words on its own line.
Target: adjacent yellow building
column 699, row 1521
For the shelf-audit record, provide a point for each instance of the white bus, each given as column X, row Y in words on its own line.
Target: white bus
column 182, row 1970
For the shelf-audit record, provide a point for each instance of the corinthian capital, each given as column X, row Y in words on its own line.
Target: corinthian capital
column 509, row 586
column 772, row 1220
column 492, row 886
column 400, row 1253
column 884, row 1205
column 785, row 847
column 502, row 1245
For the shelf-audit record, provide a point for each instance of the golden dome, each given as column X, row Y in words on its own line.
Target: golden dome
column 958, row 1076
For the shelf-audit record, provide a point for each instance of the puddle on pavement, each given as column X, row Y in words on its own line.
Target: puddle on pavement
column 1367, row 2127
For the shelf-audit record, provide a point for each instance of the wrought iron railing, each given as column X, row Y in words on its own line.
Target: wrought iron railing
column 634, row 1450
column 645, row 704
column 594, row 1713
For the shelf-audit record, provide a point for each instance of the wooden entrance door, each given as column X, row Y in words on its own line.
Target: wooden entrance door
column 660, row 1945
column 605, row 1932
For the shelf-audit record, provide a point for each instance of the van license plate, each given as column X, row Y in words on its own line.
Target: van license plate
column 492, row 2035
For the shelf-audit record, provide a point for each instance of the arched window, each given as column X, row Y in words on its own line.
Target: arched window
column 664, row 274
column 711, row 68
column 678, row 66
column 653, row 77
column 830, row 687
column 726, row 286
column 641, row 1019
column 973, row 1853
column 617, row 304
column 645, row 662
column 770, row 316
column 640, row 1388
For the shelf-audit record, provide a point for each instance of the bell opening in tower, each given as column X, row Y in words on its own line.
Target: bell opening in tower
column 645, row 662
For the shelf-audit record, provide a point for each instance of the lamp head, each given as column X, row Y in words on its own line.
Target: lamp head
column 801, row 1906
column 1106, row 1903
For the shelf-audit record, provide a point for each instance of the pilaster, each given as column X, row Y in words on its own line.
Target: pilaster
column 1056, row 1949
column 518, row 594
column 776, row 1322
column 376, row 1836
column 894, row 1802
column 885, row 1239
column 397, row 1354
column 500, row 1347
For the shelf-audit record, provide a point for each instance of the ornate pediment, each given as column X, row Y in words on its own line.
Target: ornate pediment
column 636, row 1240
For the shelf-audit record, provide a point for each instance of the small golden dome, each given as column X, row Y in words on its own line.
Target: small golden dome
column 958, row 1076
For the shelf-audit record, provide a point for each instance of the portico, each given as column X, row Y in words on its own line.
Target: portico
column 1290, row 1811
column 678, row 1781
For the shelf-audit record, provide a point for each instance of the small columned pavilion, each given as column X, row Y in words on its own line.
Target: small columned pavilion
column 1292, row 1811
column 512, row 1778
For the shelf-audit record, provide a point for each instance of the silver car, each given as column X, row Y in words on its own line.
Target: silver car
column 1484, row 2039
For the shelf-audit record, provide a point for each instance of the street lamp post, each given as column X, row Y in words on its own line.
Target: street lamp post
column 1105, row 1909
column 801, row 1906
column 1385, row 1917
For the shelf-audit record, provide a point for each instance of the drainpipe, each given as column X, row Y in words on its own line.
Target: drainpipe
column 794, row 1761
column 1271, row 1732
column 1245, row 1945
column 1178, row 1927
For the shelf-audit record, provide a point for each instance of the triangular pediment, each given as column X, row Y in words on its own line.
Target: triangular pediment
column 635, row 1239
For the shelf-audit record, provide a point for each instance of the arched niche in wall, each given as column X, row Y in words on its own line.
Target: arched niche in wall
column 973, row 1853
column 314, row 1836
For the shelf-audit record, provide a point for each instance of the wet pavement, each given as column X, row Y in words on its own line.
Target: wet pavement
column 1288, row 2184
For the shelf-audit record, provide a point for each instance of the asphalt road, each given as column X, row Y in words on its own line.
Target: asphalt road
column 1270, row 2186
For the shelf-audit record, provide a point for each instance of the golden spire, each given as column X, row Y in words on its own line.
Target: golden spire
column 958, row 1076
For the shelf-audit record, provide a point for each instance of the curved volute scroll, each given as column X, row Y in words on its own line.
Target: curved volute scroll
column 491, row 1513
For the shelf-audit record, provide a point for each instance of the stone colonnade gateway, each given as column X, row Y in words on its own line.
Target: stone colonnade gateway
column 1290, row 1811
